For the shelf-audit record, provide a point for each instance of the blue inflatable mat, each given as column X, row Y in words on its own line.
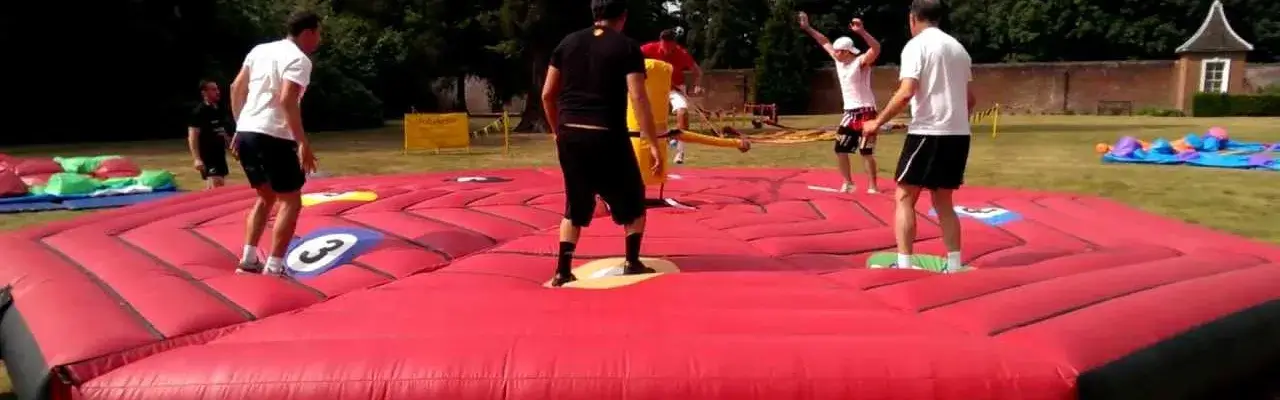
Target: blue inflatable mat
column 13, row 208
column 44, row 198
column 89, row 203
column 165, row 188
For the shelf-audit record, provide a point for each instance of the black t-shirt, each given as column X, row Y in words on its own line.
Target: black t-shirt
column 594, row 71
column 214, row 124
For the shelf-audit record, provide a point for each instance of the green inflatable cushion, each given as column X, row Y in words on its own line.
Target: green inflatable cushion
column 154, row 178
column 81, row 165
column 65, row 184
column 119, row 183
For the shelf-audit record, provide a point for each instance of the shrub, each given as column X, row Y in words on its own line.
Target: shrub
column 1160, row 112
column 335, row 101
column 1230, row 105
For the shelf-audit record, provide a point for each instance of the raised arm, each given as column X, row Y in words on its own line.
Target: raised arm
column 822, row 40
column 873, row 46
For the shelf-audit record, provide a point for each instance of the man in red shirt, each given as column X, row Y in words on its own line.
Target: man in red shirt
column 666, row 49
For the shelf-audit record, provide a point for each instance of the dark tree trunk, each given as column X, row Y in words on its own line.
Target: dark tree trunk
column 460, row 94
column 534, row 119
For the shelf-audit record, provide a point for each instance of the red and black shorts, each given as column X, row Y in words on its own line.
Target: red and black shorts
column 849, row 133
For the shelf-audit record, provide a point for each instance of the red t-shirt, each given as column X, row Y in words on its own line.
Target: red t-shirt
column 673, row 54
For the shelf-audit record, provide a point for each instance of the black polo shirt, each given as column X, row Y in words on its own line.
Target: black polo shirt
column 594, row 64
column 214, row 123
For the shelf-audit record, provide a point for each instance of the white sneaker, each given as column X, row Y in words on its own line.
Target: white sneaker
column 273, row 270
column 872, row 191
column 252, row 267
column 679, row 158
column 848, row 187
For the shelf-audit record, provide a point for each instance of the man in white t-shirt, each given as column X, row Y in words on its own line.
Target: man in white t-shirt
column 935, row 76
column 270, row 143
column 854, row 73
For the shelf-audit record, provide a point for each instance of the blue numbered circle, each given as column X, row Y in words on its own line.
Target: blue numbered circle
column 981, row 212
column 324, row 249
column 478, row 179
column 994, row 216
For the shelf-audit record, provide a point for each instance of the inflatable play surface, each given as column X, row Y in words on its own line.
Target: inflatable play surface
column 1211, row 149
column 75, row 183
column 434, row 286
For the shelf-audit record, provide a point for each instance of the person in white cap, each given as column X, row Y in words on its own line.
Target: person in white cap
column 853, row 70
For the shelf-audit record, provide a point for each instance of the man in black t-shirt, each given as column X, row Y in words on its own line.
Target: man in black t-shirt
column 208, row 132
column 592, row 73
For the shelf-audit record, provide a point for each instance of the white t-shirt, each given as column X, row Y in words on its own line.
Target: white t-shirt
column 940, row 64
column 270, row 65
column 855, row 84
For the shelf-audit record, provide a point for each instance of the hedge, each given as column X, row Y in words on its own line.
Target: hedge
column 1232, row 105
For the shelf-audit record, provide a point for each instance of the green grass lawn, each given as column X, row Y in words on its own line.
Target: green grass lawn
column 1052, row 153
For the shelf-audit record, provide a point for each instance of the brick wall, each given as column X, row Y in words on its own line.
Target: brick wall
column 1021, row 88
column 1259, row 76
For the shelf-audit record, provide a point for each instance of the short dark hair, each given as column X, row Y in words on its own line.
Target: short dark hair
column 302, row 21
column 205, row 83
column 667, row 35
column 931, row 11
column 608, row 10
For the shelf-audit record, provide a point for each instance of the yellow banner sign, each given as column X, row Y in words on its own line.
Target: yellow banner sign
column 436, row 131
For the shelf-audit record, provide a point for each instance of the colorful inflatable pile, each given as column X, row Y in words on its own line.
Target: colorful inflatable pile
column 1211, row 149
column 60, row 183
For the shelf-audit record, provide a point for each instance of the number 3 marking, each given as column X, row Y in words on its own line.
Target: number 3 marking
column 333, row 244
column 321, row 252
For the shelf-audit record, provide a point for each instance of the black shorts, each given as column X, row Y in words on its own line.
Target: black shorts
column 934, row 162
column 597, row 162
column 215, row 160
column 270, row 160
column 849, row 133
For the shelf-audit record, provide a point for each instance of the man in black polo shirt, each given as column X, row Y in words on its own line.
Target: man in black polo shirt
column 208, row 132
column 592, row 73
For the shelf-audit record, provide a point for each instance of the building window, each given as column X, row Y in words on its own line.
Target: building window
column 1214, row 74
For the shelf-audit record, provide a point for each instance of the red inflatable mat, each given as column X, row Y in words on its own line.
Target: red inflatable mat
column 437, row 291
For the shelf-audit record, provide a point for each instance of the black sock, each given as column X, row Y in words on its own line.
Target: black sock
column 565, row 259
column 633, row 246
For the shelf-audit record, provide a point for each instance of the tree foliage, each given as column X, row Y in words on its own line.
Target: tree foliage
column 782, row 68
column 724, row 33
column 135, row 75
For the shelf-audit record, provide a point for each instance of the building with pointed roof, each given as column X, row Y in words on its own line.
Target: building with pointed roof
column 1212, row 60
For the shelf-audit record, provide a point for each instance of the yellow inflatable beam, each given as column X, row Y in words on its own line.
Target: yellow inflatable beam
column 657, row 86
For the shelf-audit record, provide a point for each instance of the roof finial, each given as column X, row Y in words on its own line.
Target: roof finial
column 1215, row 35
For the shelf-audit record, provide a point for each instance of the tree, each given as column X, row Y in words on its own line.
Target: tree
column 724, row 33
column 532, row 29
column 782, row 69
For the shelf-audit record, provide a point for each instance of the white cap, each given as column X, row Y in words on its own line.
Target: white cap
column 846, row 44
